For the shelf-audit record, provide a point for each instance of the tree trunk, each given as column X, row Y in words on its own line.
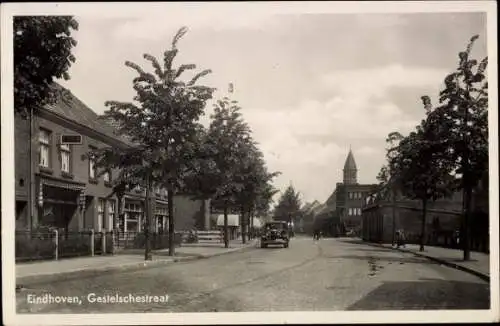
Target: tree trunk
column 465, row 234
column 147, row 224
column 171, row 224
column 422, row 232
column 226, row 233
column 243, row 226
column 250, row 222
column 393, row 217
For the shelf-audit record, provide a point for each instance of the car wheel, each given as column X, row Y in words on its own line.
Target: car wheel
column 263, row 245
column 285, row 245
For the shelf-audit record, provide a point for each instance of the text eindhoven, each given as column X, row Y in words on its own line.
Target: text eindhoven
column 94, row 298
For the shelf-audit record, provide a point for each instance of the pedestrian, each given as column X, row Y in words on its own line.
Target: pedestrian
column 403, row 238
column 398, row 238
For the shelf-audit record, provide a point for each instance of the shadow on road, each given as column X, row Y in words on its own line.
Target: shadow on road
column 371, row 250
column 396, row 260
column 426, row 294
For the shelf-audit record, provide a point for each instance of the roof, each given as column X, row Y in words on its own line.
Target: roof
column 71, row 108
column 350, row 163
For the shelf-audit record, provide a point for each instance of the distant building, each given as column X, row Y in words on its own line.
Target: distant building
column 342, row 210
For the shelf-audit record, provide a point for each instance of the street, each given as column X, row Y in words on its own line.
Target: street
column 330, row 274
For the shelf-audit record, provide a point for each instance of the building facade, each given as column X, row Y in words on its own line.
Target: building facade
column 382, row 217
column 343, row 209
column 59, row 186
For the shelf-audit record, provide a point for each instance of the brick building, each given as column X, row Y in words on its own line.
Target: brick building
column 58, row 186
column 381, row 217
column 342, row 210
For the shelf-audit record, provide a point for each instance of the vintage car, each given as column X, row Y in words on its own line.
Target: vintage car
column 275, row 233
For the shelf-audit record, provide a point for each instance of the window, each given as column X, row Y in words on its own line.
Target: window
column 65, row 158
column 359, row 211
column 92, row 168
column 350, row 211
column 111, row 214
column 107, row 176
column 100, row 215
column 44, row 148
column 349, row 194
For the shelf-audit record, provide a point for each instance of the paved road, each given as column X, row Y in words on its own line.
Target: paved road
column 332, row 274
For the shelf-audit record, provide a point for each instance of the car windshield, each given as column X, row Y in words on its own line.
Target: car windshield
column 277, row 226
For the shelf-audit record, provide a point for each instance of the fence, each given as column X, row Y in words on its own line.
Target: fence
column 137, row 240
column 55, row 244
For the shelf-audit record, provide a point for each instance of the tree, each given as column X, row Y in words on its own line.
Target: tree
column 257, row 189
column 288, row 206
column 162, row 123
column 388, row 177
column 42, row 52
column 422, row 166
column 221, row 158
column 463, row 111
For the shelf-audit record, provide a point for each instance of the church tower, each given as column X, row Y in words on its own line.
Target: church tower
column 350, row 170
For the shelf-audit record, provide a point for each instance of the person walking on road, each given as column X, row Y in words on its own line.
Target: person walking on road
column 316, row 234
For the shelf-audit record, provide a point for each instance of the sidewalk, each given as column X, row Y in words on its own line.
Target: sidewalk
column 74, row 268
column 479, row 264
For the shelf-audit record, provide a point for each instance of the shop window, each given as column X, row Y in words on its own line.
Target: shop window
column 111, row 214
column 100, row 215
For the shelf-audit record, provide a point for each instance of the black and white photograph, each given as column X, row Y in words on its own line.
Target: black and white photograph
column 249, row 162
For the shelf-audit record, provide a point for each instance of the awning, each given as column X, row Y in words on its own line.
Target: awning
column 63, row 184
column 232, row 220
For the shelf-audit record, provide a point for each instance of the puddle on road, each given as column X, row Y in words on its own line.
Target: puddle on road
column 373, row 266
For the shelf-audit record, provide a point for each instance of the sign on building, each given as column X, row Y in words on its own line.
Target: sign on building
column 71, row 139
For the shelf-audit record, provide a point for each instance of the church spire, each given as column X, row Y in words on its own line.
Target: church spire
column 350, row 169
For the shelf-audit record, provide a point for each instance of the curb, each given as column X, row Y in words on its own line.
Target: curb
column 32, row 280
column 481, row 275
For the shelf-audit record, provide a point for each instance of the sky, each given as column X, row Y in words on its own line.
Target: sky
column 311, row 86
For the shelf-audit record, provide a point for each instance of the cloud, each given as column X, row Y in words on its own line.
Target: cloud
column 158, row 27
column 309, row 85
column 360, row 110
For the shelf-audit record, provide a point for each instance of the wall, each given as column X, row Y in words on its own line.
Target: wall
column 22, row 171
column 378, row 222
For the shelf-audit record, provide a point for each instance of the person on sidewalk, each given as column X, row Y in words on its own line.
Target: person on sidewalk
column 400, row 239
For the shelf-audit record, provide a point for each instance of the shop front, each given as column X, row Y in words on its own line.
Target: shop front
column 58, row 204
column 161, row 218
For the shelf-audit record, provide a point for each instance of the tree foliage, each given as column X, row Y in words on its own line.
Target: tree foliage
column 161, row 124
column 463, row 127
column 450, row 144
column 288, row 206
column 42, row 52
